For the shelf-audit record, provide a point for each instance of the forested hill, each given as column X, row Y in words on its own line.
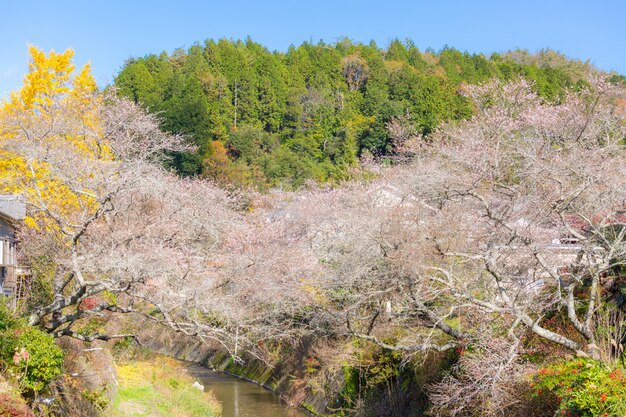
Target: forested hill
column 268, row 119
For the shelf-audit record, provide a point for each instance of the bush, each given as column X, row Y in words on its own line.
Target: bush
column 8, row 339
column 98, row 398
column 13, row 407
column 7, row 321
column 584, row 387
column 45, row 358
column 32, row 356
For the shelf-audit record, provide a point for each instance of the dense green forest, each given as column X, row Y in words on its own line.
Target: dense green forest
column 276, row 119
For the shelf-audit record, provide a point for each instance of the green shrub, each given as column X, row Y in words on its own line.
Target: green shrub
column 8, row 339
column 351, row 385
column 42, row 362
column 7, row 321
column 98, row 398
column 584, row 387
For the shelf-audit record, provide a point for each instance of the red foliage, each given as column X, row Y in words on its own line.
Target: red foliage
column 88, row 303
column 12, row 407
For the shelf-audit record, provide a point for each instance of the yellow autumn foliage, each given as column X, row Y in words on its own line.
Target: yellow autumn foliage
column 54, row 109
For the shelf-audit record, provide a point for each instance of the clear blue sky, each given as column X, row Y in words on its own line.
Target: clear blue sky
column 108, row 32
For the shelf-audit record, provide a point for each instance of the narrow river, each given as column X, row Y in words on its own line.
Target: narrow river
column 241, row 398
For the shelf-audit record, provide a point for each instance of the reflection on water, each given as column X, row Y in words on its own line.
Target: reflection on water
column 241, row 398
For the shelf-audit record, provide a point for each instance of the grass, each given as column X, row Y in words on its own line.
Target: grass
column 158, row 387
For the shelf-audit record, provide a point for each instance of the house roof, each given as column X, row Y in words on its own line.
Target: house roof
column 12, row 207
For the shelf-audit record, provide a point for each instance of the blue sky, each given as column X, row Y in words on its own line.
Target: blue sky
column 106, row 33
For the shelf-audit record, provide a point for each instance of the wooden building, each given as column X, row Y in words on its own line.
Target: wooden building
column 12, row 277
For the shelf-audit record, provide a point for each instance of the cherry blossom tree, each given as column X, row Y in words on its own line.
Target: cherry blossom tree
column 107, row 227
column 499, row 225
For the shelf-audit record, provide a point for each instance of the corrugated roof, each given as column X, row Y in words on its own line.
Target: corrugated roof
column 13, row 207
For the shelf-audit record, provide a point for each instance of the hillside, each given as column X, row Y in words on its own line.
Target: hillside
column 276, row 119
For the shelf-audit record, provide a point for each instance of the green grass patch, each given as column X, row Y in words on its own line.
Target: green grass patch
column 158, row 387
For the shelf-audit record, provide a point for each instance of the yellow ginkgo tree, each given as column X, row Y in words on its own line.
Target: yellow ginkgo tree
column 56, row 110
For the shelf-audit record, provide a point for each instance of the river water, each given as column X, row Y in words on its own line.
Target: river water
column 241, row 398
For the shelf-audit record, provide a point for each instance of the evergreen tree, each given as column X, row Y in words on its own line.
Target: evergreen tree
column 266, row 119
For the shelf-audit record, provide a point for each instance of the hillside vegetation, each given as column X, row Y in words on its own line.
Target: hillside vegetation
column 270, row 119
